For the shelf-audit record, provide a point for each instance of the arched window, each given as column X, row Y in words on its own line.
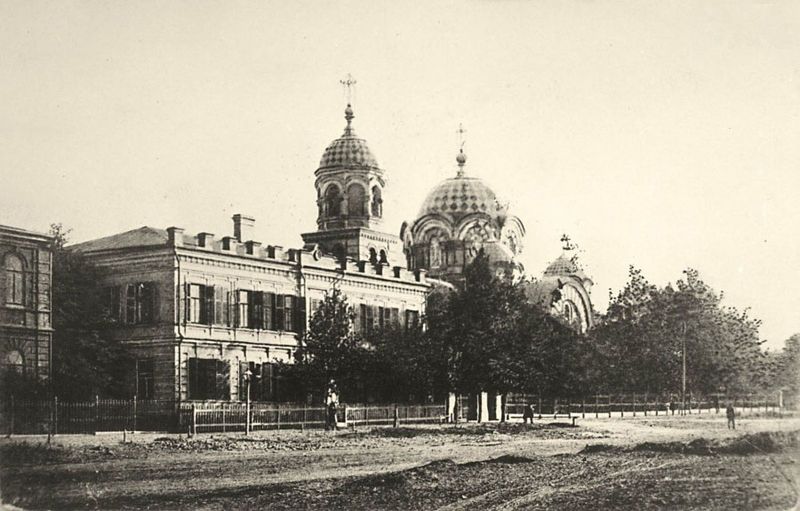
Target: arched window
column 15, row 280
column 377, row 201
column 355, row 200
column 435, row 252
column 14, row 362
column 333, row 201
column 383, row 259
column 373, row 256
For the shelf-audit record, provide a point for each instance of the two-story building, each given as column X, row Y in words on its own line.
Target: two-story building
column 26, row 333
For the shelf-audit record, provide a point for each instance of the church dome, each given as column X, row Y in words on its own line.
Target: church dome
column 563, row 266
column 460, row 196
column 348, row 151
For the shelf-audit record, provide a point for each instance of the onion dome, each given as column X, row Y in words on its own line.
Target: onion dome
column 348, row 151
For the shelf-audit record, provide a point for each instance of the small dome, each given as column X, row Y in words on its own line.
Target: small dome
column 563, row 266
column 460, row 196
column 348, row 151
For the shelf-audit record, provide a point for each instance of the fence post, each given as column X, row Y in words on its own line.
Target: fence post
column 540, row 406
column 279, row 416
column 396, row 416
column 11, row 421
column 583, row 407
column 634, row 404
column 135, row 409
column 223, row 418
column 194, row 419
column 303, row 426
column 55, row 415
column 596, row 406
column 622, row 407
column 96, row 413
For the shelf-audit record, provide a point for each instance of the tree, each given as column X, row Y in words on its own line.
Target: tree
column 646, row 330
column 85, row 361
column 330, row 350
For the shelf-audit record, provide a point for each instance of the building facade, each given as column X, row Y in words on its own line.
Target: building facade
column 26, row 333
column 197, row 310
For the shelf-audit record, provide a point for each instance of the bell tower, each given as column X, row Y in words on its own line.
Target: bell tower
column 349, row 184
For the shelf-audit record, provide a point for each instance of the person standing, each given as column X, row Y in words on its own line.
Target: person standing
column 731, row 413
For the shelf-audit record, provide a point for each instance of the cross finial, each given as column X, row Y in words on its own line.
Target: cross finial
column 461, row 158
column 348, row 85
column 567, row 243
column 460, row 132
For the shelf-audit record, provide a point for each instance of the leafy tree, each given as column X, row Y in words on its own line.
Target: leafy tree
column 330, row 350
column 646, row 330
column 85, row 361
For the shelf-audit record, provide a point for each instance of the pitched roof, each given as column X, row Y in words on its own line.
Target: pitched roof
column 141, row 237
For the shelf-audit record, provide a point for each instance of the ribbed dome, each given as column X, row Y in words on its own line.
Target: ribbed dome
column 563, row 266
column 461, row 196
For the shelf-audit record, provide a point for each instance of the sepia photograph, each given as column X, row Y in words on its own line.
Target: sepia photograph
column 373, row 255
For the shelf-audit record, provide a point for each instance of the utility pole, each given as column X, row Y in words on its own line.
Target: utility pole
column 683, row 379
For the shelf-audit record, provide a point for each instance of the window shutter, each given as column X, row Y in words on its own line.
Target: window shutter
column 193, row 378
column 208, row 305
column 300, row 316
column 186, row 303
column 279, row 315
column 269, row 311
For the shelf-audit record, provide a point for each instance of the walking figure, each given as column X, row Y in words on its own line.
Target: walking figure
column 527, row 413
column 731, row 413
column 331, row 422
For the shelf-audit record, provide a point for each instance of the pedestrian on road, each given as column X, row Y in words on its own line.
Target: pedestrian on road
column 731, row 413
column 527, row 413
column 332, row 416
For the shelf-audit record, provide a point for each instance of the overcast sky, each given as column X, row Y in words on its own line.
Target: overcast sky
column 660, row 134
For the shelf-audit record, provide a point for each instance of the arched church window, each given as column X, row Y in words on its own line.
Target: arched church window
column 373, row 256
column 355, row 200
column 377, row 201
column 15, row 280
column 383, row 259
column 333, row 201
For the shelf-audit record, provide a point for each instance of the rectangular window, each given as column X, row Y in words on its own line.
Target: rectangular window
column 145, row 379
column 209, row 378
column 243, row 308
column 279, row 313
column 222, row 306
column 200, row 304
column 394, row 316
column 288, row 313
column 112, row 300
column 261, row 381
column 256, row 310
column 412, row 319
column 147, row 302
column 131, row 292
column 367, row 319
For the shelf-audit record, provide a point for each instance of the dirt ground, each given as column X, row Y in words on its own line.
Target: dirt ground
column 651, row 462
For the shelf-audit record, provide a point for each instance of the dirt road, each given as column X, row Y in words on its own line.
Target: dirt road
column 450, row 467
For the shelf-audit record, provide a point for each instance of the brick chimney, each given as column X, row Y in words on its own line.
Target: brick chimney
column 243, row 227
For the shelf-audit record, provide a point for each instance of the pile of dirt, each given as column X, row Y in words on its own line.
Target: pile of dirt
column 754, row 443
